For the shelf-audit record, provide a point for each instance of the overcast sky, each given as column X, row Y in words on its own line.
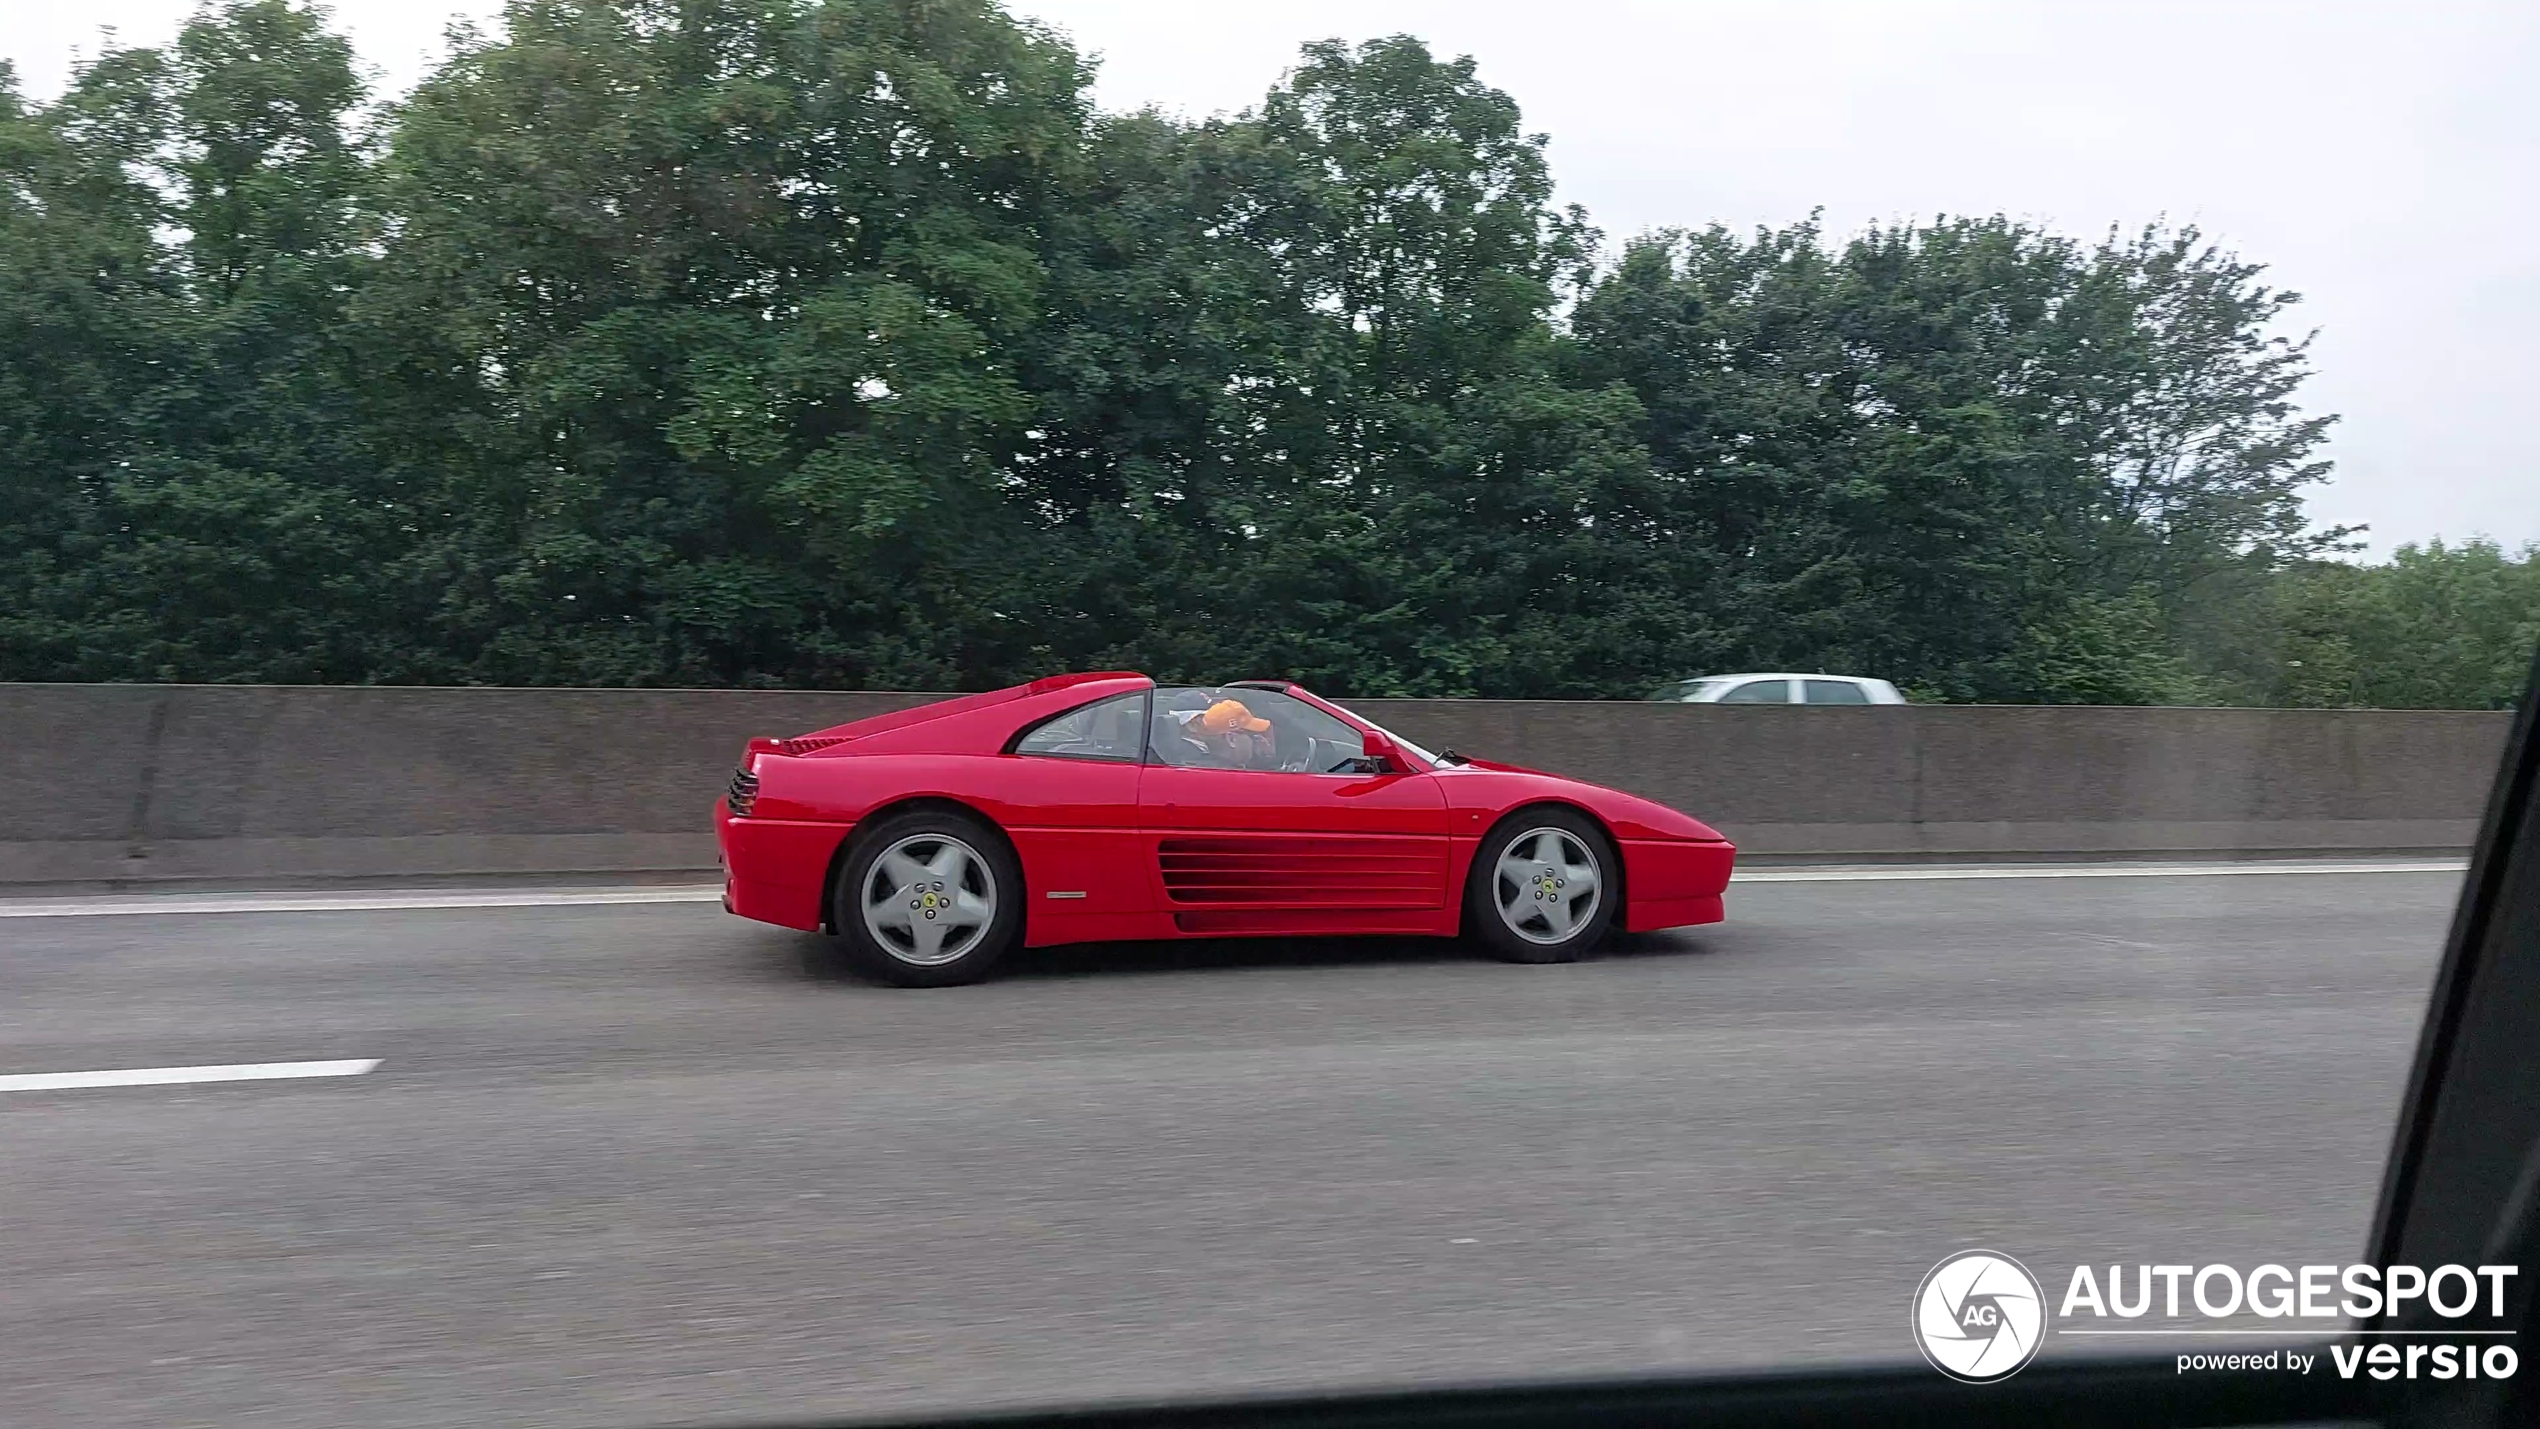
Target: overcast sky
column 2380, row 157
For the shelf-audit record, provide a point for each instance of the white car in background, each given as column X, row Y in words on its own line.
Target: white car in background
column 1780, row 688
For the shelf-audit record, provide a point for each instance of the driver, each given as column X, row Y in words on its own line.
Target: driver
column 1227, row 732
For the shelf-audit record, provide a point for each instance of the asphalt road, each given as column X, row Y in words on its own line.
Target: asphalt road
column 640, row 1165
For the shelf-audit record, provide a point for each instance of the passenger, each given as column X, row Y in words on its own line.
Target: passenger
column 1226, row 733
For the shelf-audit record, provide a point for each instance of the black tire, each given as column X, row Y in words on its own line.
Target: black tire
column 1545, row 892
column 934, row 948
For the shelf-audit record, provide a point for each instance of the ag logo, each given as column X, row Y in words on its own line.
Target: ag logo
column 1979, row 1316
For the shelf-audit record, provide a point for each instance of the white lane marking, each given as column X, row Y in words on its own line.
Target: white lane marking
column 1908, row 873
column 352, row 902
column 169, row 1076
column 378, row 902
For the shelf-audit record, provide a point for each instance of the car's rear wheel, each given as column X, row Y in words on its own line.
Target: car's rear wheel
column 928, row 898
column 1543, row 887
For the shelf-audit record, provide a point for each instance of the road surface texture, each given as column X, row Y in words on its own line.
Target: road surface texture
column 640, row 1165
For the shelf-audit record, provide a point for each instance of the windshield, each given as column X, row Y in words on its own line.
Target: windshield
column 1682, row 690
column 1407, row 746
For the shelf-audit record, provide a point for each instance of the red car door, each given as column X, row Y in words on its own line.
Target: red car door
column 1300, row 843
column 1071, row 808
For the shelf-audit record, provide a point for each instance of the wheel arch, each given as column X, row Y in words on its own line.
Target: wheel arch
column 1613, row 846
column 916, row 803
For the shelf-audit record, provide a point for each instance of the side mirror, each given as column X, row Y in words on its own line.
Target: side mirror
column 1382, row 755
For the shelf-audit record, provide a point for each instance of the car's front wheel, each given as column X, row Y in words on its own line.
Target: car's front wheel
column 928, row 899
column 1543, row 887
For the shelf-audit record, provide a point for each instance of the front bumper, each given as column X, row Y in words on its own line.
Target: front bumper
column 1671, row 883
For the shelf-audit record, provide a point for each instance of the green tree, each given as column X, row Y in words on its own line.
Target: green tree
column 2437, row 627
column 85, row 308
column 708, row 312
column 1920, row 454
column 842, row 342
column 205, row 515
column 1354, row 457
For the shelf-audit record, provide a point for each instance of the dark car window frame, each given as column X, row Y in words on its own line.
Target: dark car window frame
column 2463, row 1179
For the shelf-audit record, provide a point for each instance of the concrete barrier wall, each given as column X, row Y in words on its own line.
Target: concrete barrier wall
column 199, row 784
column 1996, row 780
column 212, row 783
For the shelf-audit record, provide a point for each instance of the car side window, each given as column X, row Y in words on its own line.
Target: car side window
column 1241, row 728
column 1759, row 692
column 1836, row 692
column 1105, row 729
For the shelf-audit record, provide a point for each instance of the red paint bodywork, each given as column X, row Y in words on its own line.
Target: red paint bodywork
column 1159, row 851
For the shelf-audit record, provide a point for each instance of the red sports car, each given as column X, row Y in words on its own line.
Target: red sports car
column 1101, row 807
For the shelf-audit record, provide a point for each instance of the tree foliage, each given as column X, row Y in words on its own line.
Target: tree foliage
column 846, row 343
column 2438, row 627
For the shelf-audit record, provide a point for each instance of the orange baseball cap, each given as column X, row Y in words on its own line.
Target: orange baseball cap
column 1228, row 715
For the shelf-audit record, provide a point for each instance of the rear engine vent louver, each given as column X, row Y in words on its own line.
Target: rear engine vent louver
column 805, row 745
column 743, row 793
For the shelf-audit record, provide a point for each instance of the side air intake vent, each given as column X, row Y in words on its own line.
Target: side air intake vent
column 1302, row 871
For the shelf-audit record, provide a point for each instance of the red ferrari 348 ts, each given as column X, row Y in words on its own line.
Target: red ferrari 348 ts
column 1101, row 807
